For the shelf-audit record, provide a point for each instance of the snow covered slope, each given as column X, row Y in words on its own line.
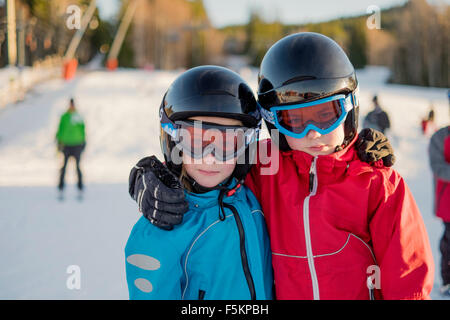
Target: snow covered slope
column 41, row 237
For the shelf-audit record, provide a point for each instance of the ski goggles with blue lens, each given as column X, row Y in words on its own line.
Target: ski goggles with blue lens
column 323, row 115
column 198, row 139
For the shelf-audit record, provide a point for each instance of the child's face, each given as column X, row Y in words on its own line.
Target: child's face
column 316, row 144
column 210, row 172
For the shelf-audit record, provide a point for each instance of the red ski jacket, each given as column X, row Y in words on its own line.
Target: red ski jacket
column 334, row 221
column 439, row 153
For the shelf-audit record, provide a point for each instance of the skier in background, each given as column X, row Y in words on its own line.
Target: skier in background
column 428, row 124
column 71, row 140
column 439, row 154
column 377, row 118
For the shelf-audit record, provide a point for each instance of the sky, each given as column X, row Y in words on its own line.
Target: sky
column 227, row 12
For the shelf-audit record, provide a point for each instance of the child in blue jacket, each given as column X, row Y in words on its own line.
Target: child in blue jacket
column 209, row 127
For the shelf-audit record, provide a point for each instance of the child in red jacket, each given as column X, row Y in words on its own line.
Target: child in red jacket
column 439, row 154
column 339, row 228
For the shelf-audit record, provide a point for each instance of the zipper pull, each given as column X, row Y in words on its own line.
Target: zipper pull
column 311, row 175
column 233, row 191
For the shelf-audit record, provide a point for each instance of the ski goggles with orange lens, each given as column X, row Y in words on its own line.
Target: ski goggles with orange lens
column 198, row 139
column 323, row 115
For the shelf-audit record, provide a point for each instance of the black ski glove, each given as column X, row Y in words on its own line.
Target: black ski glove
column 372, row 145
column 158, row 192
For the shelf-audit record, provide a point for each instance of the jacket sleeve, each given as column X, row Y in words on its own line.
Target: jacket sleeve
column 439, row 166
column 386, row 121
column 153, row 266
column 400, row 241
column 60, row 128
column 83, row 132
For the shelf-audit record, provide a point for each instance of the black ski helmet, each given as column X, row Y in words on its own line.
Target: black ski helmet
column 209, row 91
column 305, row 67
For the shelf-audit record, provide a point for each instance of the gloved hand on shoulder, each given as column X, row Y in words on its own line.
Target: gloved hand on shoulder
column 158, row 193
column 372, row 145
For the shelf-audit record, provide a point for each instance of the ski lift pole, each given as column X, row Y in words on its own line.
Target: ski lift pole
column 111, row 62
column 70, row 63
column 11, row 27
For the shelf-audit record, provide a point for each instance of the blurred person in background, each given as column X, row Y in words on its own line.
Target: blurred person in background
column 377, row 118
column 71, row 140
column 428, row 124
column 439, row 154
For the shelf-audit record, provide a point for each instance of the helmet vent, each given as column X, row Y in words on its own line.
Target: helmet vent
column 217, row 92
column 298, row 79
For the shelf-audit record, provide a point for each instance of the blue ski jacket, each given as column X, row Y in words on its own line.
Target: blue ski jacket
column 204, row 257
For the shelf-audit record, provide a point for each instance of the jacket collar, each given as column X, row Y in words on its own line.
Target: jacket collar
column 330, row 167
column 211, row 198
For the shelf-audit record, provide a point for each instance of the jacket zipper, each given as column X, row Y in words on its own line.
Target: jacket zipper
column 306, row 226
column 244, row 258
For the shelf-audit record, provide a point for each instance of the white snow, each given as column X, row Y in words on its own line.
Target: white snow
column 41, row 237
column 15, row 81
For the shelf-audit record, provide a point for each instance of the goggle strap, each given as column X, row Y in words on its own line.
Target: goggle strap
column 168, row 125
column 267, row 115
column 355, row 97
column 348, row 103
column 170, row 130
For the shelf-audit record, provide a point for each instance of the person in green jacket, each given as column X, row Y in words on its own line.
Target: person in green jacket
column 71, row 141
